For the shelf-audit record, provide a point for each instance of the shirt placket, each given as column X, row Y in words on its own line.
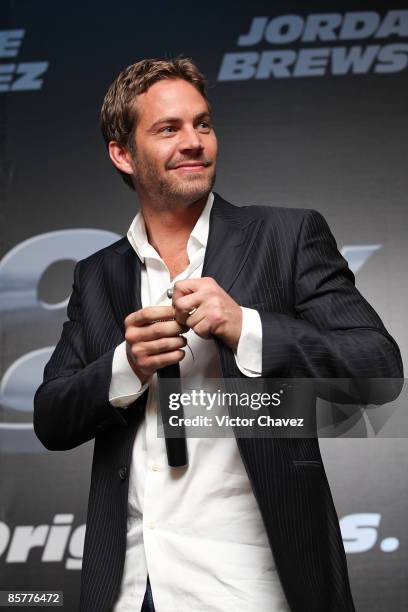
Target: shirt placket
column 154, row 502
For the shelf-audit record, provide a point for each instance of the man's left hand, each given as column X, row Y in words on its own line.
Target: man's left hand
column 202, row 305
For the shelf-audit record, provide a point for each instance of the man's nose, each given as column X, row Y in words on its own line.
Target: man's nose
column 191, row 139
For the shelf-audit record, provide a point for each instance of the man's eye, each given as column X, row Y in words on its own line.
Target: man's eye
column 204, row 125
column 168, row 129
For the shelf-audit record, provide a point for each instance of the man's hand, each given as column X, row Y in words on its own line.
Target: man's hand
column 202, row 305
column 151, row 345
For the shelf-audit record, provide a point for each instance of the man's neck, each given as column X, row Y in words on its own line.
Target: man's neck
column 168, row 230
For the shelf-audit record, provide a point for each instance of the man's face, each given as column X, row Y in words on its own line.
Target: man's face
column 175, row 144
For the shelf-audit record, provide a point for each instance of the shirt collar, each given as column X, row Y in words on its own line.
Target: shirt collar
column 137, row 235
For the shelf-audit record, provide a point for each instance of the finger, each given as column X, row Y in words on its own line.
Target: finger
column 185, row 287
column 182, row 315
column 146, row 333
column 195, row 318
column 164, row 345
column 202, row 329
column 187, row 303
column 188, row 285
column 198, row 320
column 165, row 359
column 147, row 315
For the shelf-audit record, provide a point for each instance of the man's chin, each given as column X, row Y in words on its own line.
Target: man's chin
column 191, row 190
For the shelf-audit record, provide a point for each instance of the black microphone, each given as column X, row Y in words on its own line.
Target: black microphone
column 176, row 447
column 169, row 382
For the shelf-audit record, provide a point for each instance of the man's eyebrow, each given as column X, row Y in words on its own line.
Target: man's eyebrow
column 197, row 117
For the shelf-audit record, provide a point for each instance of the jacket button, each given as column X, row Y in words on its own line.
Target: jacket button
column 123, row 471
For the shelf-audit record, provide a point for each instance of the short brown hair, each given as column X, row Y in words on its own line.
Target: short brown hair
column 118, row 113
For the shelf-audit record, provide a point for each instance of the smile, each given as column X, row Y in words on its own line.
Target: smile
column 191, row 168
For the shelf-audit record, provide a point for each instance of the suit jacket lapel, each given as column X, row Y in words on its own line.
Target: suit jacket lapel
column 230, row 239
column 122, row 276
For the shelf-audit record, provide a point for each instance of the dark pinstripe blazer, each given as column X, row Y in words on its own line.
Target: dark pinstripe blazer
column 285, row 263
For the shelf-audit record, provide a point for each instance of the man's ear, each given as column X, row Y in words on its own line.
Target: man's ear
column 121, row 157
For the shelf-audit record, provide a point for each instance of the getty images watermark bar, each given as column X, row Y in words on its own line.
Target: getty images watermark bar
column 284, row 408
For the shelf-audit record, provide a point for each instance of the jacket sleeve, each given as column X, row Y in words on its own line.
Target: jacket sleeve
column 72, row 404
column 335, row 332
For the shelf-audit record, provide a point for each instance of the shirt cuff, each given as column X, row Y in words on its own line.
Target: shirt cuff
column 125, row 386
column 248, row 355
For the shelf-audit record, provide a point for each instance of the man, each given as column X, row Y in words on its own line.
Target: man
column 249, row 524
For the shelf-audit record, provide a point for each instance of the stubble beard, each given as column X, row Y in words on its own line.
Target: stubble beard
column 171, row 191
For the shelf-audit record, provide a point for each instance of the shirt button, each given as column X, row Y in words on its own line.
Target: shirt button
column 123, row 471
column 151, row 524
column 156, row 467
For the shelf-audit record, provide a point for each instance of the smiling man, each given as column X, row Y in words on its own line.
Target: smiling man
column 249, row 525
column 174, row 121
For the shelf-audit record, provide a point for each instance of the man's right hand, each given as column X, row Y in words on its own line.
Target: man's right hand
column 151, row 345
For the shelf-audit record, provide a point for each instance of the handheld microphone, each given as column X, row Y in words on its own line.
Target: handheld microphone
column 176, row 447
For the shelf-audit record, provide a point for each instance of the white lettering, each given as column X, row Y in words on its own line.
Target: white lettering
column 311, row 62
column 4, row 537
column 395, row 22
column 321, row 27
column 238, row 66
column 76, row 548
column 359, row 531
column 6, row 76
column 284, row 29
column 29, row 80
column 10, row 42
column 275, row 63
column 255, row 33
column 24, row 539
column 58, row 538
column 211, row 400
column 359, row 25
column 394, row 58
column 27, row 537
column 357, row 59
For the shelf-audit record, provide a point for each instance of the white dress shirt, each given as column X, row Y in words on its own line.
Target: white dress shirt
column 196, row 531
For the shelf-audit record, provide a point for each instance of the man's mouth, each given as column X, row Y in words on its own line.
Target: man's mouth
column 192, row 166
